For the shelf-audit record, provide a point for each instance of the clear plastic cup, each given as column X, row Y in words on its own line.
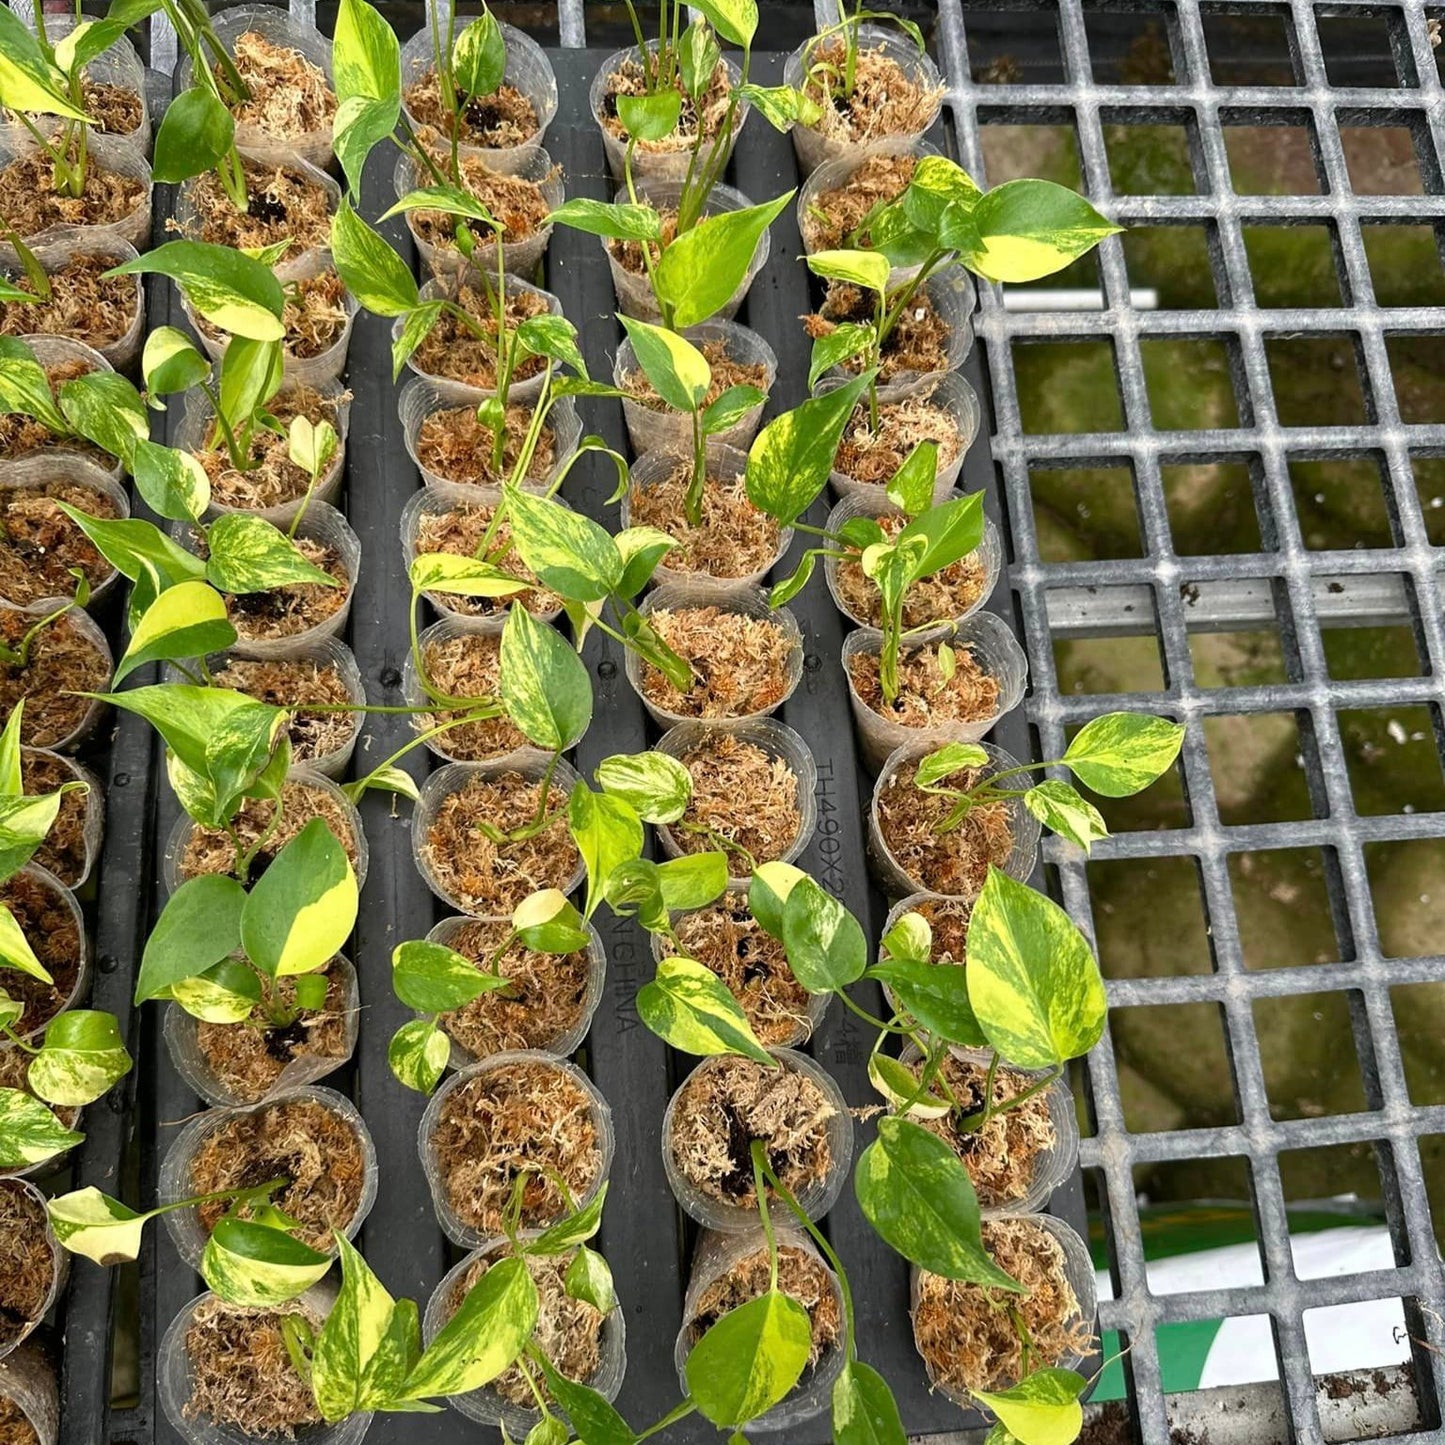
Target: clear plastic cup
column 59, row 1262
column 815, row 1200
column 649, row 164
column 28, row 1382
column 62, row 245
column 420, row 399
column 634, row 290
column 175, row 1379
column 716, row 1255
column 280, row 27
column 65, row 899
column 987, row 638
column 527, row 70
column 93, row 828
column 873, row 502
column 41, row 469
column 461, row 393
column 52, row 352
column 1052, row 1166
column 950, row 393
column 835, row 174
column 176, row 1181
column 317, row 371
column 813, row 148
column 195, row 427
column 434, row 500
column 182, row 1034
column 661, row 428
column 174, row 856
column 775, row 739
column 1078, row 1269
column 485, row 1405
column 564, row 1044
column 453, row 1226
column 106, row 153
column 441, row 784
column 725, row 465
column 83, row 624
column 752, row 603
column 892, row 876
column 520, row 257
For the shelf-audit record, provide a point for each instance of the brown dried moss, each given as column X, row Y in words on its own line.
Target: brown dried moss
column 885, row 101
column 801, row 1276
column 273, row 479
column 454, row 445
column 956, row 862
column 568, row 1331
column 948, row 918
column 292, row 683
column 628, row 254
column 453, row 350
column 21, row 434
column 726, row 373
column 522, row 1118
column 300, row 1140
column 868, row 455
column 50, row 929
column 295, row 608
column 707, row 115
column 739, row 662
column 746, row 799
column 211, row 850
column 952, row 593
column 314, row 316
column 247, row 1058
column 925, row 695
column 290, row 96
column 27, row 1263
column 834, row 215
column 469, row 666
column 490, row 878
column 503, row 119
column 241, row 1371
column 282, row 204
column 31, row 204
column 918, row 343
column 84, row 304
column 729, row 1102
column 515, row 203
column 753, row 966
column 39, row 544
column 964, row 1332
column 15, row 1429
column 64, row 661
column 733, row 539
column 460, row 530
column 542, row 1001
column 63, row 851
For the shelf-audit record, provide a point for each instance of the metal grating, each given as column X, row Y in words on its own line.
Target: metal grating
column 1166, row 595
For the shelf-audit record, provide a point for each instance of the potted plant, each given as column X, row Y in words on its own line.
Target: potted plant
column 29, row 1400
column 838, row 202
column 54, row 663
column 32, row 1268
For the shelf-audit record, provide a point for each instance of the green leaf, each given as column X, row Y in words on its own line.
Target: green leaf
column 1030, row 228
column 170, row 363
column 1121, row 753
column 825, row 944
column 915, row 1191
column 432, row 978
column 29, row 1132
column 641, row 549
column 414, row 330
column 735, row 20
column 944, row 762
column 549, row 1430
column 865, row 269
column 449, row 200
column 251, row 373
column 750, row 1359
column 783, row 592
column 652, row 116
column 12, row 782
column 792, row 457
column 393, row 1360
column 464, row 576
column 106, row 409
column 678, row 371
column 544, row 685
column 24, row 387
column 479, row 56
column 229, row 288
column 28, row 81
column 248, row 554
column 379, row 279
column 547, row 922
column 693, row 881
column 1042, row 1409
column 1061, row 807
column 618, row 222
column 199, row 926
column 488, row 1332
column 936, row 994
column 1032, row 980
column 576, row 1229
column 92, row 1224
column 591, row 1414
column 567, row 552
column 899, row 1085
column 195, row 134
column 303, row 907
column 910, row 940
column 24, row 824
column 353, row 1332
column 939, row 186
column 225, row 993
column 82, row 1057
column 656, row 786
column 186, row 621
column 698, row 54
column 418, row 1054
column 366, row 62
column 172, row 483
column 311, row 445
column 689, row 1007
column 699, row 272
column 864, row 1410
column 607, row 833
column 768, row 893
column 948, row 532
column 589, row 1278
column 140, row 551
column 553, row 337
column 730, row 407
column 257, row 1265
column 842, row 343
column 911, row 486
column 15, row 949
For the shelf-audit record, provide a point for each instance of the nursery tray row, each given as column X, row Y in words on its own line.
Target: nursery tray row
column 644, row 1235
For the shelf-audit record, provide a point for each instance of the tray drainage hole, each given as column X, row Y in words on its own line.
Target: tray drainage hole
column 107, row 963
column 120, row 780
column 607, row 668
column 812, row 662
column 390, row 677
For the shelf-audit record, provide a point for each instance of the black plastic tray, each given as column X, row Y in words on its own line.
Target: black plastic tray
column 644, row 1235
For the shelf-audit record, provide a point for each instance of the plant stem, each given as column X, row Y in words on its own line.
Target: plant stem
column 760, row 1177
column 692, row 504
column 977, row 1121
